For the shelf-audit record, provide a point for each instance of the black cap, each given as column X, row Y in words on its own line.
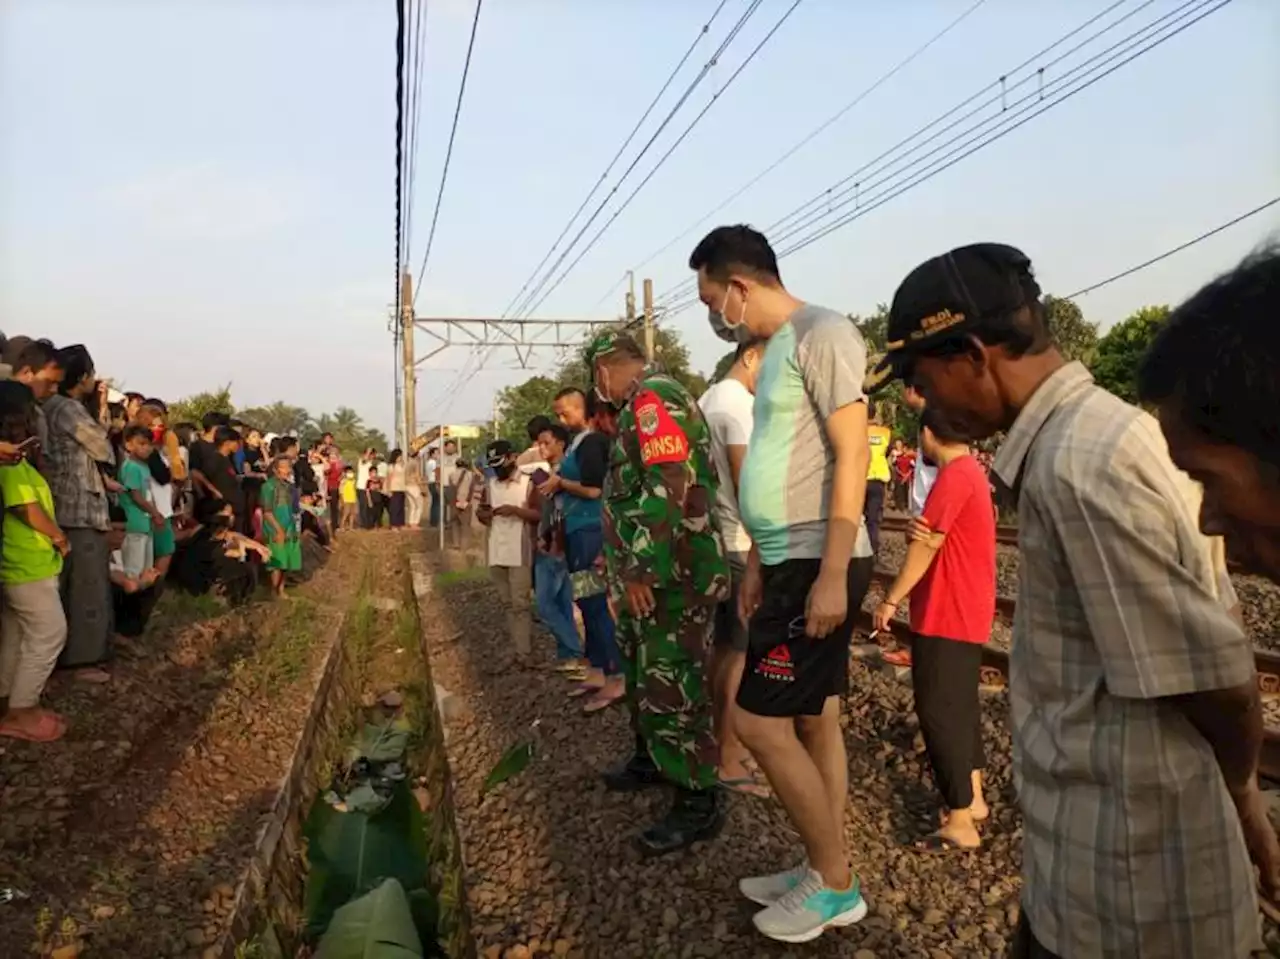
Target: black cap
column 951, row 294
column 496, row 453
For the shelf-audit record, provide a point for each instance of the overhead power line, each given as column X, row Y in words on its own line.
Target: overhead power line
column 448, row 153
column 523, row 308
column 415, row 121
column 868, row 194
column 663, row 159
column 706, row 27
column 814, row 133
column 1177, row 249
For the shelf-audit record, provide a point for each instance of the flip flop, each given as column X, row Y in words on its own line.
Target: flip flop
column 746, row 786
column 938, row 843
column 47, row 729
column 584, row 689
column 598, row 702
column 897, row 657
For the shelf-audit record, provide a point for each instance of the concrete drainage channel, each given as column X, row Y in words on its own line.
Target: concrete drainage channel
column 271, row 903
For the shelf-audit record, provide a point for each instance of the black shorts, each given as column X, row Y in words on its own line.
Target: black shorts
column 787, row 673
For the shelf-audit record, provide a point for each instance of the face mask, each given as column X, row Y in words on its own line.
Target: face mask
column 720, row 325
column 157, row 434
column 505, row 470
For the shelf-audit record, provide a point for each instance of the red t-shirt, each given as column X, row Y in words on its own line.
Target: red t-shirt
column 956, row 599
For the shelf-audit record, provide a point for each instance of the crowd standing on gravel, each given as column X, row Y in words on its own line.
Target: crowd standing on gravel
column 107, row 503
column 731, row 543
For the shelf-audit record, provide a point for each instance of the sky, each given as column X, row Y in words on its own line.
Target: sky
column 202, row 191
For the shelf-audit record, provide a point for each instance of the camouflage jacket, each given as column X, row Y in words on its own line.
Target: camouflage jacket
column 659, row 492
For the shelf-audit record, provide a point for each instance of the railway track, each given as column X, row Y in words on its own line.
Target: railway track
column 995, row 660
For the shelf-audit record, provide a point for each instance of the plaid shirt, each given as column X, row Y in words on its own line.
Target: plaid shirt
column 1132, row 847
column 77, row 443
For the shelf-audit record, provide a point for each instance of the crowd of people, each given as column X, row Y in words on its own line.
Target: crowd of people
column 718, row 551
column 108, row 502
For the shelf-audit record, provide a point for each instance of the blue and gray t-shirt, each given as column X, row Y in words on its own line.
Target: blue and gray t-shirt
column 813, row 366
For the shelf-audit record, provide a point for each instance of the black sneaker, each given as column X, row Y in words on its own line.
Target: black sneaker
column 696, row 815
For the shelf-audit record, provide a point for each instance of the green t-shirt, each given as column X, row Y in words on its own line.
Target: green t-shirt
column 26, row 556
column 135, row 476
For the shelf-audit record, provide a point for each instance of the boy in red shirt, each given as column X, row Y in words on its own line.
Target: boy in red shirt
column 950, row 574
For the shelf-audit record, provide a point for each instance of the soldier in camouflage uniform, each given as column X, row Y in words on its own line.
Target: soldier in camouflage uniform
column 667, row 570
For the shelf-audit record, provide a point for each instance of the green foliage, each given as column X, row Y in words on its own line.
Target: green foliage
column 513, row 762
column 280, row 418
column 1075, row 337
column 723, row 365
column 193, row 408
column 350, row 433
column 519, row 404
column 1120, row 351
column 874, row 328
column 378, row 925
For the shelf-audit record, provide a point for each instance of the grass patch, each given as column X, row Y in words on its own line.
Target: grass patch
column 469, row 575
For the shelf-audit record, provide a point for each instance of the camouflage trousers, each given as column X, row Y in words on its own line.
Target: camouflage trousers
column 664, row 659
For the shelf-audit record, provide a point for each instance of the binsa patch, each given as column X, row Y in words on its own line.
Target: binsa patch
column 661, row 438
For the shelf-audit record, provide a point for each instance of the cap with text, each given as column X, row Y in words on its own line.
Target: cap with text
column 949, row 295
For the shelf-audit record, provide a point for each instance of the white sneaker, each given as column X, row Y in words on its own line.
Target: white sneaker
column 766, row 890
column 809, row 909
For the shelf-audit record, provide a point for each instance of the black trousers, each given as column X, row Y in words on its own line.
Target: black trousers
column 395, row 509
column 873, row 510
column 377, row 509
column 366, row 509
column 944, row 676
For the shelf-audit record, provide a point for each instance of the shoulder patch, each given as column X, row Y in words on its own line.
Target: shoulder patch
column 661, row 438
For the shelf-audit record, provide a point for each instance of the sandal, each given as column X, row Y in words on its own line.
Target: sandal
column 584, row 689
column 47, row 728
column 897, row 657
column 935, row 842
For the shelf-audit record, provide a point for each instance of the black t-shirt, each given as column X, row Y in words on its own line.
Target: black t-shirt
column 253, row 463
column 222, row 474
column 593, row 459
column 200, row 455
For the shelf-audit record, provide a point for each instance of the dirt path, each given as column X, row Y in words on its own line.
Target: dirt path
column 551, row 867
column 131, row 834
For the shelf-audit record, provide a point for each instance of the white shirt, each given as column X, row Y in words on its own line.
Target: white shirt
column 362, row 475
column 727, row 406
column 432, row 465
column 921, row 483
column 162, row 493
column 507, row 533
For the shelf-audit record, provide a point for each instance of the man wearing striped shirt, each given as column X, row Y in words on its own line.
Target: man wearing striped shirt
column 1133, row 700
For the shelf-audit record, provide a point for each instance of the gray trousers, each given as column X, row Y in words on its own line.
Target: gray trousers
column 86, row 598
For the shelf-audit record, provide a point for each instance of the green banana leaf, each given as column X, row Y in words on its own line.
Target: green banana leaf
column 381, row 742
column 512, row 763
column 378, row 925
column 350, row 853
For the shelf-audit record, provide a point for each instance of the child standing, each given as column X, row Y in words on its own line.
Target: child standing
column 33, row 627
column 280, row 523
column 349, row 498
column 141, row 515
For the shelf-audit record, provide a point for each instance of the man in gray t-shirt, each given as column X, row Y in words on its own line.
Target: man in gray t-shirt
column 800, row 497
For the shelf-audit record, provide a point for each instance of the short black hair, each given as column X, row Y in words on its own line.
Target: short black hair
column 754, row 343
column 1217, row 354
column 17, row 411
column 35, row 356
column 214, row 418
column 941, row 429
column 76, row 363
column 225, row 434
column 158, row 403
column 137, row 431
column 185, row 432
column 131, row 396
column 536, row 425
column 558, row 431
column 736, row 249
column 571, row 391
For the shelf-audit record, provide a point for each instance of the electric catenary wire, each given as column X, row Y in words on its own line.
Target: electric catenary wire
column 1177, row 249
column 864, row 199
column 814, row 133
column 523, row 308
column 666, row 156
column 415, row 122
column 706, row 28
column 448, row 153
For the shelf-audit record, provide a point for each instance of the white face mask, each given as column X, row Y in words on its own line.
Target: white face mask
column 723, row 328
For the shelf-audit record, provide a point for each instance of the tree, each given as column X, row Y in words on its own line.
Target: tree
column 350, row 434
column 193, row 408
column 874, row 328
column 670, row 355
column 519, row 404
column 280, row 418
column 1074, row 336
column 1119, row 353
column 722, row 366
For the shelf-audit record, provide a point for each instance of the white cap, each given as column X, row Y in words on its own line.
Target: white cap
column 115, row 396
